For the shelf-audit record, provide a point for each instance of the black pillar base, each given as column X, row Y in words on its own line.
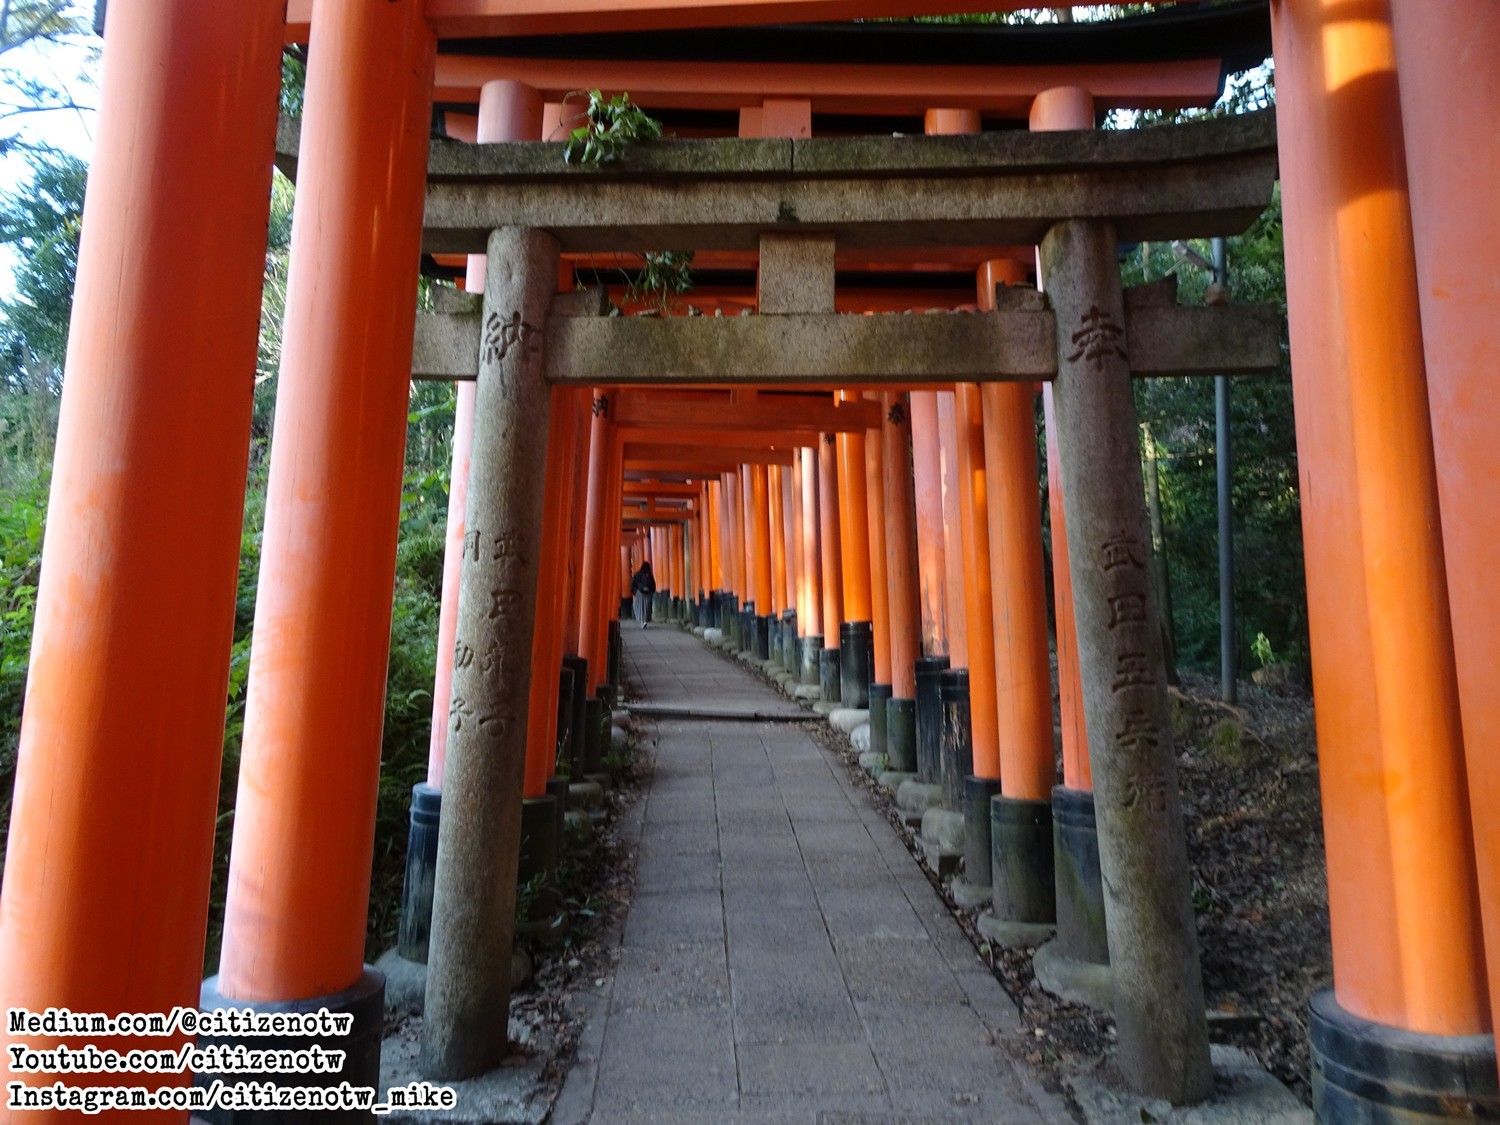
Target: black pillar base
column 1021, row 857
column 564, row 713
column 760, row 637
column 977, row 794
column 901, row 734
column 880, row 695
column 856, row 663
column 594, row 719
column 828, row 676
column 1079, row 885
column 1366, row 1073
column 791, row 655
column 577, row 703
column 812, row 645
column 613, row 660
column 956, row 757
column 364, row 1000
column 777, row 658
column 539, row 840
column 627, row 607
column 929, row 716
column 421, row 873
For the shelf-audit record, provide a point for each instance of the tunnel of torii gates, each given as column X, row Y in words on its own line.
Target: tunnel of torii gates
column 855, row 495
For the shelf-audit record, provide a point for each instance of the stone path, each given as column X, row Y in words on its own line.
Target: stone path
column 784, row 959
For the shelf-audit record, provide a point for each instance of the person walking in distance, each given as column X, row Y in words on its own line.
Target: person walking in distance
column 643, row 586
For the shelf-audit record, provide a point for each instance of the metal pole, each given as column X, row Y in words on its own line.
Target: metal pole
column 1225, row 462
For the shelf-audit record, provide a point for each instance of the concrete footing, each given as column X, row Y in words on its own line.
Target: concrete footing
column 1370, row 1072
column 364, row 1001
column 969, row 895
column 1080, row 982
column 892, row 780
column 846, row 718
column 1013, row 935
column 1244, row 1094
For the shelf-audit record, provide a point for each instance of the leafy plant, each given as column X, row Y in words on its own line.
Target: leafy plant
column 609, row 127
column 664, row 276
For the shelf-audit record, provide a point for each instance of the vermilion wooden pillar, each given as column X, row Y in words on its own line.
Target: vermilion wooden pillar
column 1023, row 677
column 810, row 618
column 973, row 496
column 299, row 878
column 111, row 834
column 928, row 494
column 955, row 593
column 1064, row 108
column 1403, row 898
column 1450, row 101
column 879, row 578
column 829, row 541
column 599, row 549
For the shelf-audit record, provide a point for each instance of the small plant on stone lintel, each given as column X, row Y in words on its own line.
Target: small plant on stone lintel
column 609, row 127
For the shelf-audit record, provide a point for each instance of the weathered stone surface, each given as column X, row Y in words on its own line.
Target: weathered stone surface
column 808, row 692
column 944, row 830
column 473, row 913
column 892, row 780
column 1080, row 982
column 995, row 188
column 918, row 796
column 847, row 719
column 1244, row 1094
column 713, row 636
column 1013, row 935
column 859, row 738
column 1158, row 989
column 796, row 274
column 969, row 895
column 872, row 764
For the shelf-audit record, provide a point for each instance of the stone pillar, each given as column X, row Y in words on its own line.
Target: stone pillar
column 508, row 111
column 468, row 976
column 1404, row 901
column 111, row 834
column 1158, row 990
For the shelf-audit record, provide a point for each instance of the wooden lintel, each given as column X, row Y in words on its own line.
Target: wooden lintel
column 698, row 455
column 699, row 433
column 661, row 488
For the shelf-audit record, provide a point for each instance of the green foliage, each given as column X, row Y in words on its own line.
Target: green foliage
column 663, row 277
column 1270, row 597
column 608, row 127
column 41, row 223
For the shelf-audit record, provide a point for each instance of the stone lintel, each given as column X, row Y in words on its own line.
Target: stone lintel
column 897, row 349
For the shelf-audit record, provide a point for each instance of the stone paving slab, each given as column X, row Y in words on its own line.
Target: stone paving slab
column 784, row 960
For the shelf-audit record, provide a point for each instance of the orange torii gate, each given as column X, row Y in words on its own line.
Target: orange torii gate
column 1392, row 320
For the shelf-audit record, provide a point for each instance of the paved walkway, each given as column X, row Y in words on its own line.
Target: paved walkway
column 784, row 959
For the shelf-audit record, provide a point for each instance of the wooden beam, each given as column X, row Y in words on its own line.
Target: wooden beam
column 815, row 413
column 709, row 435
column 661, row 488
column 732, row 456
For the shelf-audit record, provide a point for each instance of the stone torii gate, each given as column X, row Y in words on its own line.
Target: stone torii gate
column 1077, row 196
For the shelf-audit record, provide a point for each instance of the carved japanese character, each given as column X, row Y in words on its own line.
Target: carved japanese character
column 1132, row 669
column 1149, row 794
column 496, row 657
column 601, row 406
column 896, row 415
column 1123, row 550
column 463, row 655
column 507, row 546
column 503, row 603
column 501, row 335
column 471, row 544
column 459, row 710
column 1099, row 338
column 1138, row 731
column 1126, row 609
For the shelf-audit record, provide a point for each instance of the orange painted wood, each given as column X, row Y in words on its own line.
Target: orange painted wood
column 111, row 832
column 875, row 530
column 1402, row 887
column 829, row 541
column 901, row 546
column 760, row 543
column 299, row 878
column 973, row 495
column 810, row 620
column 955, row 586
column 854, row 531
column 778, row 539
